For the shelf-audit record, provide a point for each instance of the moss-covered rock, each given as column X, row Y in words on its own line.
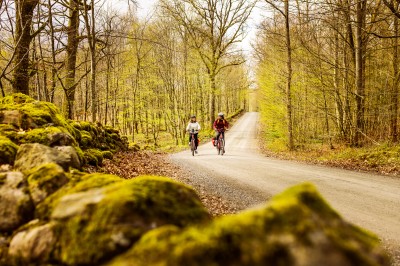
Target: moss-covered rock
column 16, row 206
column 107, row 155
column 78, row 182
column 93, row 157
column 33, row 155
column 297, row 228
column 24, row 120
column 8, row 150
column 45, row 180
column 49, row 136
column 86, row 138
column 112, row 218
column 9, row 131
column 33, row 246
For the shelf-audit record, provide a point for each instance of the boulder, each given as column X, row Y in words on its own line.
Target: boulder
column 16, row 206
column 61, row 139
column 32, row 155
column 297, row 228
column 11, row 117
column 45, row 180
column 8, row 150
column 78, row 182
column 71, row 154
column 33, row 246
column 49, row 136
column 114, row 217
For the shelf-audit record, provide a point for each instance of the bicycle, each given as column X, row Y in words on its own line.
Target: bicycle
column 221, row 144
column 192, row 143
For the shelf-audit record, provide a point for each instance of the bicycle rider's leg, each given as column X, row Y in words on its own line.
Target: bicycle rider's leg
column 196, row 140
column 218, row 135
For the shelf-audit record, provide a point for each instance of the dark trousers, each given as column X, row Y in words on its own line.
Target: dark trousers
column 196, row 139
column 218, row 133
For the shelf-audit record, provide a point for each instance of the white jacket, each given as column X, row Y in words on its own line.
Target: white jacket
column 195, row 126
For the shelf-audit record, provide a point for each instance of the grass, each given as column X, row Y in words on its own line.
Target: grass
column 383, row 159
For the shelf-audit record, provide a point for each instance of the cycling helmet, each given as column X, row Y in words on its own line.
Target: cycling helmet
column 221, row 114
column 193, row 116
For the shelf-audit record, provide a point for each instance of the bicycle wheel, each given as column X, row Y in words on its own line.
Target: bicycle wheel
column 219, row 147
column 222, row 146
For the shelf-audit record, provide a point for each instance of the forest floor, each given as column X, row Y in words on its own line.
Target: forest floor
column 131, row 164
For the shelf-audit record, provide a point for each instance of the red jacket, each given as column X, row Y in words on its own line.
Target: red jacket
column 220, row 124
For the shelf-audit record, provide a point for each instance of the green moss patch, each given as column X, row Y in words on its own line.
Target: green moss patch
column 93, row 157
column 8, row 150
column 297, row 228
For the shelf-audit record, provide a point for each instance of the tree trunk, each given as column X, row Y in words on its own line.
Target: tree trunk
column 360, row 71
column 396, row 75
column 212, row 100
column 289, row 79
column 23, row 38
column 72, row 50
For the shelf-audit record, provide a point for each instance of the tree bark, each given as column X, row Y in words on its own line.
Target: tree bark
column 360, row 71
column 72, row 50
column 395, row 94
column 23, row 39
column 289, row 79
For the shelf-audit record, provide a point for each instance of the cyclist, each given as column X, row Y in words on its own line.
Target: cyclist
column 195, row 127
column 220, row 125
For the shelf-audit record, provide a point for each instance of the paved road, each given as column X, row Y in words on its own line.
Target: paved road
column 248, row 178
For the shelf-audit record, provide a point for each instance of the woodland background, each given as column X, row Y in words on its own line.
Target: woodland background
column 326, row 72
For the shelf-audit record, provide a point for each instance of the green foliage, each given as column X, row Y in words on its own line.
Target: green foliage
column 276, row 235
column 8, row 150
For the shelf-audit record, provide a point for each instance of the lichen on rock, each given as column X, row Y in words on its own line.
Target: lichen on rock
column 297, row 228
column 112, row 218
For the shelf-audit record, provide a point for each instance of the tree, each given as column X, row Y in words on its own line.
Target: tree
column 285, row 13
column 23, row 38
column 215, row 27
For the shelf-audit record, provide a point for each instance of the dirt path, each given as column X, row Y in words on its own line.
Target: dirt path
column 246, row 178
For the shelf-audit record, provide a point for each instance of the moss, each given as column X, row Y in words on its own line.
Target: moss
column 79, row 182
column 93, row 157
column 107, row 155
column 86, row 138
column 39, row 135
column 9, row 131
column 45, row 180
column 81, row 155
column 16, row 98
column 295, row 223
column 8, row 151
column 127, row 210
